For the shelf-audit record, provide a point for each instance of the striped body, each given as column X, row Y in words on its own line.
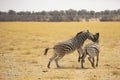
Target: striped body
column 66, row 47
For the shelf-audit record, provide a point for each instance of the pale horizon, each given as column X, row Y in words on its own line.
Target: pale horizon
column 51, row 5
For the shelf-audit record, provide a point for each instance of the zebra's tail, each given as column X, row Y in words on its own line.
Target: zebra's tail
column 46, row 50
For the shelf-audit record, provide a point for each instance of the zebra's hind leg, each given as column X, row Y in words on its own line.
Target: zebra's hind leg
column 93, row 62
column 89, row 58
column 57, row 59
column 51, row 59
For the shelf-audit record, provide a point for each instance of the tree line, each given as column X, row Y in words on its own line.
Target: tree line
column 62, row 15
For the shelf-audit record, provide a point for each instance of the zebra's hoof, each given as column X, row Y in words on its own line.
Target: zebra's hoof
column 96, row 65
column 48, row 66
column 79, row 60
column 93, row 67
column 82, row 67
column 58, row 66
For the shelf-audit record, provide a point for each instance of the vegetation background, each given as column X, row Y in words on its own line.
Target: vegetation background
column 61, row 16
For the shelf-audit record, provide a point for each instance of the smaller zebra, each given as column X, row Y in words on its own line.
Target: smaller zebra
column 69, row 46
column 91, row 50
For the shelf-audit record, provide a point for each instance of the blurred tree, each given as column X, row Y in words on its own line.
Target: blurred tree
column 67, row 15
column 12, row 12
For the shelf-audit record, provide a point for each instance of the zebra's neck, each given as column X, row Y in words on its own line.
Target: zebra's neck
column 97, row 41
column 81, row 39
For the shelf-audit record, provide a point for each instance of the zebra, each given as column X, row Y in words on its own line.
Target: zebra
column 92, row 50
column 66, row 47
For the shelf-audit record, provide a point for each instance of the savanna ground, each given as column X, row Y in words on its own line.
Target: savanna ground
column 22, row 46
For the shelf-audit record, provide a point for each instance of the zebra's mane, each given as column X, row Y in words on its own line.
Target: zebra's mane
column 96, row 36
column 79, row 33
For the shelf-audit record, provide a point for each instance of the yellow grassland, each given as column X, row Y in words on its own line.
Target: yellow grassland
column 22, row 46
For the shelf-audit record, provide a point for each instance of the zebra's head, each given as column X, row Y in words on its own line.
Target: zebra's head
column 96, row 37
column 86, row 35
column 90, row 35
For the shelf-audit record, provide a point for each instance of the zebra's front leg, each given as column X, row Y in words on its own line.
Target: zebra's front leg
column 79, row 57
column 79, row 52
column 83, row 59
column 57, row 59
column 51, row 59
column 84, row 54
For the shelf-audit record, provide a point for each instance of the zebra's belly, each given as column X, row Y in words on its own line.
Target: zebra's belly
column 63, row 51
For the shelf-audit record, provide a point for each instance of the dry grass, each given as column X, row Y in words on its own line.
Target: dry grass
column 22, row 46
column 116, row 72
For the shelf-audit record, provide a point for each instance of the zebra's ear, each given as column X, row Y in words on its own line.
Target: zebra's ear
column 87, row 30
column 97, row 34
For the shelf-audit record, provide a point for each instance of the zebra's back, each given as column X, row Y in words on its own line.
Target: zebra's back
column 65, row 47
column 92, row 49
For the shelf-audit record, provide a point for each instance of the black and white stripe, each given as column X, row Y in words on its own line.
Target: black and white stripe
column 92, row 50
column 69, row 46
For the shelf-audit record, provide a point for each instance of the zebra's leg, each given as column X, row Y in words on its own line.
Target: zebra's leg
column 57, row 59
column 97, row 60
column 79, row 52
column 79, row 57
column 89, row 58
column 51, row 59
column 93, row 62
column 83, row 59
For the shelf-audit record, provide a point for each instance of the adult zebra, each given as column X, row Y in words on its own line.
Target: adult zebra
column 69, row 46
